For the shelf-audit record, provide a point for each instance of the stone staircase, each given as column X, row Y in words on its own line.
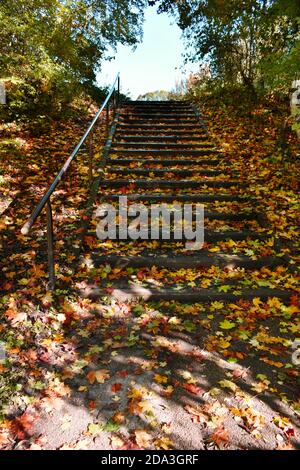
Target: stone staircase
column 161, row 153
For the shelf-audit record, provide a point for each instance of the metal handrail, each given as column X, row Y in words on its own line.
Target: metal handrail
column 45, row 200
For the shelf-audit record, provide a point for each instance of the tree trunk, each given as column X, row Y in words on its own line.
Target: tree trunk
column 295, row 104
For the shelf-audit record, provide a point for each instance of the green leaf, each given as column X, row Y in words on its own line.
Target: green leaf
column 227, row 325
column 110, row 426
column 228, row 384
column 225, row 288
column 95, row 428
column 261, row 377
column 138, row 310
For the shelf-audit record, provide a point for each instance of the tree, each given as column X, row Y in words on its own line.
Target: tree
column 52, row 49
column 252, row 42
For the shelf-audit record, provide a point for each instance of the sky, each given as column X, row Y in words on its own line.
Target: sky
column 156, row 62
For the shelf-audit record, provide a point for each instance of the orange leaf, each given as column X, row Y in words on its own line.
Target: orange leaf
column 220, row 436
column 193, row 389
column 99, row 376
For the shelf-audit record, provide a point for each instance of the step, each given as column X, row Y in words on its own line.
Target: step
column 158, row 116
column 163, row 152
column 210, row 236
column 229, row 216
column 179, row 197
column 157, row 111
column 135, row 291
column 154, row 106
column 194, row 261
column 163, row 138
column 162, row 145
column 160, row 122
column 160, row 171
column 164, row 162
column 169, row 184
column 157, row 103
column 162, row 127
column 140, row 133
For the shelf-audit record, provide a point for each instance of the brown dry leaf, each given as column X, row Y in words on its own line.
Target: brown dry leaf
column 220, row 436
column 15, row 317
column 116, row 442
column 143, row 438
column 287, row 446
column 119, row 417
column 196, row 415
column 22, row 425
column 240, row 373
column 79, row 445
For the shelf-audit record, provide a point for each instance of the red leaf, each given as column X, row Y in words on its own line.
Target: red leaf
column 122, row 373
column 193, row 389
column 116, row 387
column 294, row 300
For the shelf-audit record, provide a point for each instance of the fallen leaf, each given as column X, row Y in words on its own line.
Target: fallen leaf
column 143, row 438
column 99, row 376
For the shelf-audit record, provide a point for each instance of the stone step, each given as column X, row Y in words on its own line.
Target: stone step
column 197, row 260
column 210, row 236
column 117, row 183
column 162, row 127
column 155, row 103
column 157, row 106
column 196, row 132
column 157, row 116
column 183, row 153
column 205, row 197
column 160, row 145
column 157, row 111
column 163, row 161
column 134, row 291
column 160, row 171
column 159, row 122
column 159, row 138
column 229, row 216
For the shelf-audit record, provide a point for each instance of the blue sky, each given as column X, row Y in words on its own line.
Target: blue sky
column 156, row 62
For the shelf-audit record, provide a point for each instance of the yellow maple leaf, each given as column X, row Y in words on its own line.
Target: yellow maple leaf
column 224, row 344
column 257, row 302
column 274, row 302
column 135, row 394
column 164, row 443
column 216, row 305
column 145, row 406
column 99, row 376
column 160, row 379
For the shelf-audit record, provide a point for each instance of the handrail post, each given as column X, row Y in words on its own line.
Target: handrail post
column 107, row 119
column 91, row 154
column 114, row 104
column 50, row 240
column 118, row 93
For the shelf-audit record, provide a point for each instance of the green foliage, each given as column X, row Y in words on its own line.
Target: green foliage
column 255, row 43
column 51, row 50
